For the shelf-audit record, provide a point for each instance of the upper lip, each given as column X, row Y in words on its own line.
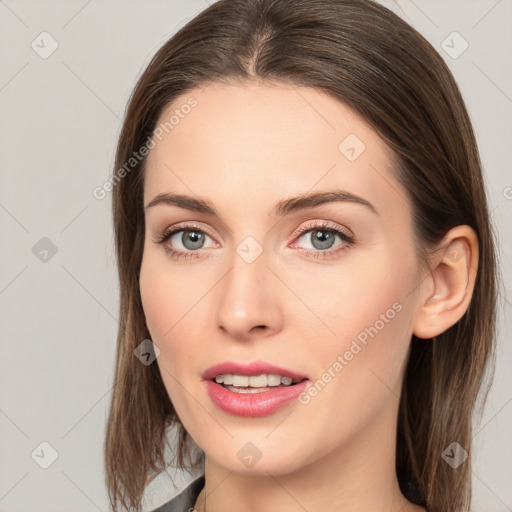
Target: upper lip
column 254, row 368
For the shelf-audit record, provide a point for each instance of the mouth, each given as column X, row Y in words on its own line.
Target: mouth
column 254, row 383
column 255, row 389
column 254, row 369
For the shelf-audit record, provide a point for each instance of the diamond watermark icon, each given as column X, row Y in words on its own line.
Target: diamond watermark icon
column 454, row 45
column 249, row 249
column 455, row 252
column 147, row 352
column 249, row 454
column 351, row 147
column 454, row 455
column 44, row 455
column 44, row 250
column 44, row 45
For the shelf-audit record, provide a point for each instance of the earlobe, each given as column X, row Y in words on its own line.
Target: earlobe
column 452, row 278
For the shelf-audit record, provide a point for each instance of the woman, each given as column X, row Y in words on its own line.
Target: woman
column 302, row 232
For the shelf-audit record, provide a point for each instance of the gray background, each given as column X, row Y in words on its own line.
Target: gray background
column 60, row 119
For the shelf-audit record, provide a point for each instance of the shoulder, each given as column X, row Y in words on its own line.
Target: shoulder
column 185, row 500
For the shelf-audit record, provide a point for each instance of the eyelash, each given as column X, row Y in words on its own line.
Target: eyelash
column 318, row 254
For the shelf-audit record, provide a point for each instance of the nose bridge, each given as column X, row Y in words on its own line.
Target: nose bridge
column 247, row 295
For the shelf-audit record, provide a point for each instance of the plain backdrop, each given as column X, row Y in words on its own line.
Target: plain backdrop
column 60, row 118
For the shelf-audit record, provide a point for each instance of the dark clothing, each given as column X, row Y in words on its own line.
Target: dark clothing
column 185, row 500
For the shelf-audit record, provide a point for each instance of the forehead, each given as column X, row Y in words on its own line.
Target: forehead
column 264, row 141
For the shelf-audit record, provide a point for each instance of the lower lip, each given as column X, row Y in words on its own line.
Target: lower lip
column 253, row 404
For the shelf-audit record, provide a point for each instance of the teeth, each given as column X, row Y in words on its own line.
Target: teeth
column 254, row 381
column 247, row 390
column 258, row 381
column 274, row 380
column 240, row 380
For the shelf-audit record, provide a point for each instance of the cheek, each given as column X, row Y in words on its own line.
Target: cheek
column 361, row 310
column 364, row 296
column 165, row 301
column 358, row 384
column 165, row 293
column 173, row 299
column 359, row 364
column 157, row 299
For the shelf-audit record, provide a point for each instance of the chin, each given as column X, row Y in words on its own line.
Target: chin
column 253, row 460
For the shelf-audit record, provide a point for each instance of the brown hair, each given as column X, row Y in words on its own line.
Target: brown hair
column 368, row 58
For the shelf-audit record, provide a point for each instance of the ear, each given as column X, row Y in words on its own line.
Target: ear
column 446, row 292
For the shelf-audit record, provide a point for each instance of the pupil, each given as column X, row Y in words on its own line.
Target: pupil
column 192, row 239
column 322, row 240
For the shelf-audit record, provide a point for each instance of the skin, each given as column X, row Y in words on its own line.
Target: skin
column 244, row 148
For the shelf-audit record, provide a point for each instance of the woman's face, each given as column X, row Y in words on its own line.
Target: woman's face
column 324, row 289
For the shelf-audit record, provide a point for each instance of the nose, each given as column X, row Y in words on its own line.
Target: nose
column 248, row 300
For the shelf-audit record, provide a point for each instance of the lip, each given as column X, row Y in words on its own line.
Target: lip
column 252, row 404
column 254, row 368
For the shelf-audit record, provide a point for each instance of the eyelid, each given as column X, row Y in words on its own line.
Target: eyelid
column 346, row 235
column 183, row 226
column 322, row 224
column 312, row 224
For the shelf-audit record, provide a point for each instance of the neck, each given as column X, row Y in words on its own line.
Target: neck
column 358, row 476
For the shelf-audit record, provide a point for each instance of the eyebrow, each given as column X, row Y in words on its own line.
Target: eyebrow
column 283, row 207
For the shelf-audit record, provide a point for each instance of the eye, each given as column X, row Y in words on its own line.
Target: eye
column 320, row 239
column 184, row 240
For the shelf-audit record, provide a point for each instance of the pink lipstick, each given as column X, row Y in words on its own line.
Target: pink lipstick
column 254, row 389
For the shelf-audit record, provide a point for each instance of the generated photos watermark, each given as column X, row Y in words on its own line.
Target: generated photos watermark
column 174, row 120
column 357, row 345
